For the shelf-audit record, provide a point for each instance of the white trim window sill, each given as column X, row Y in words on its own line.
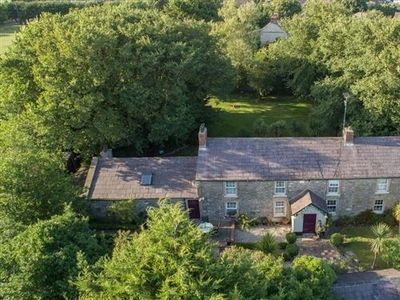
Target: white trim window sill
column 280, row 195
column 230, row 196
column 381, row 193
column 333, row 195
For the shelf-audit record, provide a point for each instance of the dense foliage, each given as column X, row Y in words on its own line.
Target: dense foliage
column 41, row 262
column 172, row 259
column 120, row 75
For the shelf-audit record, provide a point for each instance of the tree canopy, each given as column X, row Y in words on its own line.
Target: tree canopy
column 121, row 75
column 42, row 261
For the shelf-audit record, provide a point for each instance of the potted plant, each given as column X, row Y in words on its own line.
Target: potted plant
column 285, row 221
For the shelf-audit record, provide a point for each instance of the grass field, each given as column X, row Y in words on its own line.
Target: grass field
column 357, row 240
column 7, row 33
column 241, row 110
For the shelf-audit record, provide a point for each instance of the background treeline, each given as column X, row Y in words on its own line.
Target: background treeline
column 25, row 11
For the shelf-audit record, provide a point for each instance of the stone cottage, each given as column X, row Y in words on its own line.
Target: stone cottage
column 299, row 178
column 302, row 179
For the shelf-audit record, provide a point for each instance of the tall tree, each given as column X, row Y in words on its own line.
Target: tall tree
column 170, row 259
column 33, row 182
column 42, row 261
column 381, row 232
column 239, row 33
column 120, row 74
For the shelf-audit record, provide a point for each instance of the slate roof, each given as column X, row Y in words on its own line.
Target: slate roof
column 119, row 178
column 378, row 285
column 298, row 158
column 306, row 198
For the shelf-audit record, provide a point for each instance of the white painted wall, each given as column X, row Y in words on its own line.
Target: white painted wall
column 271, row 32
column 297, row 222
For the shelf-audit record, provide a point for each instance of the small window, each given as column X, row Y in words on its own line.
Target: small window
column 146, row 179
column 280, row 188
column 231, row 208
column 382, row 186
column 333, row 187
column 280, row 209
column 378, row 206
column 230, row 189
column 331, row 204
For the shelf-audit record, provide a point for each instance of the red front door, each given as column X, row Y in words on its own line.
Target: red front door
column 194, row 209
column 309, row 221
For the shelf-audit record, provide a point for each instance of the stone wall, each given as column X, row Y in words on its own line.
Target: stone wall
column 99, row 207
column 256, row 198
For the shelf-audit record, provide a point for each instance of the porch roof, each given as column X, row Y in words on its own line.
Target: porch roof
column 306, row 198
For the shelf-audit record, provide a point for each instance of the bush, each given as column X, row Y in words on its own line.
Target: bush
column 267, row 244
column 244, row 222
column 282, row 245
column 339, row 266
column 291, row 237
column 316, row 272
column 260, row 127
column 123, row 212
column 286, row 256
column 277, row 128
column 337, row 239
column 367, row 217
column 388, row 218
column 345, row 221
column 263, row 220
column 292, row 250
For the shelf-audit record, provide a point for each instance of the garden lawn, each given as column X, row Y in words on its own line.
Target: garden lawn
column 238, row 113
column 357, row 240
column 7, row 34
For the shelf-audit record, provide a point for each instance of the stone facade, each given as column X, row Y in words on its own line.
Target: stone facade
column 257, row 198
column 99, row 207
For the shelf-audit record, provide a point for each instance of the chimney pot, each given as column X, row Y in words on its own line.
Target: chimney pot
column 202, row 136
column 348, row 136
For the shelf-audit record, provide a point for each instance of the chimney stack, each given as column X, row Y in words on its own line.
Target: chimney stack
column 348, row 136
column 275, row 18
column 203, row 136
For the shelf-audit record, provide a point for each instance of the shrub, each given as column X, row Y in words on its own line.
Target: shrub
column 267, row 244
column 292, row 250
column 366, row 217
column 260, row 127
column 291, row 237
column 337, row 239
column 339, row 266
column 282, row 245
column 316, row 272
column 244, row 221
column 277, row 128
column 389, row 218
column 123, row 212
column 263, row 220
column 243, row 132
column 286, row 256
column 345, row 221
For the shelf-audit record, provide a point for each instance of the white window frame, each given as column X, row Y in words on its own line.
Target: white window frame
column 382, row 186
column 230, row 188
column 333, row 187
column 231, row 206
column 279, row 208
column 379, row 206
column 332, row 206
column 279, row 188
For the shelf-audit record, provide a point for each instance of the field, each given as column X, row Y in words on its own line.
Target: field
column 7, row 34
column 237, row 115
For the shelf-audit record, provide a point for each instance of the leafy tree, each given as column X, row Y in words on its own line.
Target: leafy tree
column 316, row 274
column 170, row 259
column 238, row 32
column 396, row 213
column 354, row 5
column 120, row 74
column 391, row 252
column 33, row 182
column 41, row 262
column 381, row 232
column 123, row 212
column 286, row 8
column 198, row 9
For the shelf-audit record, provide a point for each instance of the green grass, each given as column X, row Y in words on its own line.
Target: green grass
column 357, row 240
column 7, row 34
column 241, row 110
